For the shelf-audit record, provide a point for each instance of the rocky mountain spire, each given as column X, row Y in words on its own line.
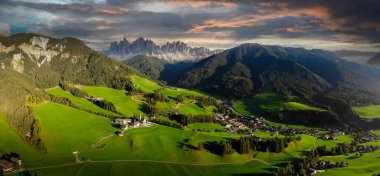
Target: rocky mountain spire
column 174, row 51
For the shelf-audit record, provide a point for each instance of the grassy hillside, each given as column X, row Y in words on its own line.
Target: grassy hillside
column 269, row 101
column 367, row 165
column 65, row 130
column 193, row 109
column 78, row 102
column 10, row 141
column 123, row 103
column 144, row 84
column 159, row 143
column 153, row 169
column 370, row 112
column 175, row 92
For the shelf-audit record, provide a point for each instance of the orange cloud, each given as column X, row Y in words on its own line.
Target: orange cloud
column 200, row 3
column 111, row 10
column 101, row 27
column 319, row 12
column 236, row 22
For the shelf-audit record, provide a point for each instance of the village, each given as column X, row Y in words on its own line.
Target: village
column 125, row 124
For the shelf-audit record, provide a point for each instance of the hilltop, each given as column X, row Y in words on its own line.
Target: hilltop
column 31, row 62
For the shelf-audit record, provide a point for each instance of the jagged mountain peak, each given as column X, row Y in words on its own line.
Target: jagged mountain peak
column 170, row 51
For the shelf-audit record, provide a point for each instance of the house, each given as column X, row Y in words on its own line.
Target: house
column 315, row 172
column 326, row 137
column 144, row 122
column 95, row 98
column 330, row 164
column 257, row 139
column 230, row 131
column 123, row 121
column 6, row 165
column 366, row 139
column 247, row 132
column 136, row 124
column 118, row 133
column 16, row 160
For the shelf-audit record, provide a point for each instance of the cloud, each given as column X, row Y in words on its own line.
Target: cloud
column 212, row 23
column 202, row 3
column 4, row 28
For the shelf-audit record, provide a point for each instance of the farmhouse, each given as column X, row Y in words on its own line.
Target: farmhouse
column 257, row 139
column 123, row 121
column 366, row 139
column 16, row 160
column 315, row 172
column 6, row 165
column 95, row 98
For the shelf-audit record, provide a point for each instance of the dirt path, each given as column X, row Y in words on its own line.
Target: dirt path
column 146, row 161
column 177, row 105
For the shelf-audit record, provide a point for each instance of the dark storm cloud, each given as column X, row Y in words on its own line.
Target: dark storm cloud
column 216, row 23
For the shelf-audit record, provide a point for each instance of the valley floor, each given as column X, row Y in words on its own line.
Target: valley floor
column 79, row 142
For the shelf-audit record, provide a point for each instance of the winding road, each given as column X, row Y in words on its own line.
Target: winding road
column 146, row 161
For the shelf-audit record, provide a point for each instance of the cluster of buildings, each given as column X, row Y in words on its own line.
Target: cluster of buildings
column 8, row 163
column 131, row 123
column 232, row 124
column 326, row 165
column 332, row 135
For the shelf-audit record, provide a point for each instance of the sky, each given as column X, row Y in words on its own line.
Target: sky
column 217, row 24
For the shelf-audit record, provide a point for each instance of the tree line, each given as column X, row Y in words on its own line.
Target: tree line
column 187, row 119
column 248, row 144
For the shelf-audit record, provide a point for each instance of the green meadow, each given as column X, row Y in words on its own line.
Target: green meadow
column 157, row 150
column 144, row 84
column 175, row 92
column 369, row 112
column 368, row 164
column 65, row 129
column 78, row 102
column 159, row 143
column 269, row 102
column 153, row 169
column 193, row 109
column 123, row 102
column 10, row 141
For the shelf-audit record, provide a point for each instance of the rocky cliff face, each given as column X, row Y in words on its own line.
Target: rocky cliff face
column 175, row 51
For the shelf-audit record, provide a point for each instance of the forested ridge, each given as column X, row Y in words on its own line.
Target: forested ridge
column 24, row 74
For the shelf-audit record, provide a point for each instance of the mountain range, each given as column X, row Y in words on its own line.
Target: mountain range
column 242, row 71
column 174, row 51
column 30, row 63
